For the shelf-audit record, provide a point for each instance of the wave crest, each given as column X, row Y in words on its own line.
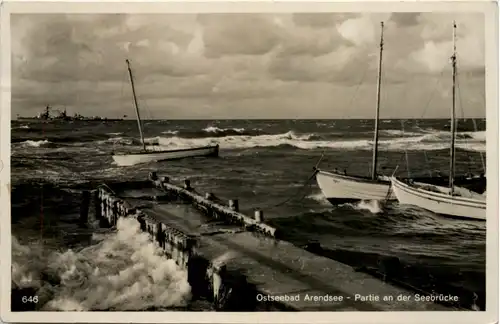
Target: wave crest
column 427, row 142
column 35, row 143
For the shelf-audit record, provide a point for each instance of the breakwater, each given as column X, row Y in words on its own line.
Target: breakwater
column 239, row 262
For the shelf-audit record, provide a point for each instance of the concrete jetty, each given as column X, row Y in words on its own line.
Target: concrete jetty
column 239, row 262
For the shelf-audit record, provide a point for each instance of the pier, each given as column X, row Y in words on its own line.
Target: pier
column 239, row 262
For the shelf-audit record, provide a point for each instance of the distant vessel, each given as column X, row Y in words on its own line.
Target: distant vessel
column 47, row 116
column 145, row 155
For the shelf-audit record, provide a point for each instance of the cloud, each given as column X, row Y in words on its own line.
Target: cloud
column 230, row 34
column 320, row 20
column 405, row 19
column 240, row 65
column 363, row 29
column 436, row 34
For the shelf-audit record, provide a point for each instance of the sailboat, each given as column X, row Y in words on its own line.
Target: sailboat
column 453, row 200
column 145, row 155
column 339, row 187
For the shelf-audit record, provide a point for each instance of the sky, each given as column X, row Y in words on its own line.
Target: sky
column 231, row 66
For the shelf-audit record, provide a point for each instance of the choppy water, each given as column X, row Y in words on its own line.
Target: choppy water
column 262, row 163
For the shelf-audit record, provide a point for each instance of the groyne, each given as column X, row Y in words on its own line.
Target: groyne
column 238, row 262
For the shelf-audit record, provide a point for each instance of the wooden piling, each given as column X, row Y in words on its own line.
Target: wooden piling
column 212, row 208
column 142, row 222
column 259, row 216
column 197, row 267
column 102, row 201
column 233, row 204
column 97, row 204
column 159, row 234
column 114, row 209
column 168, row 242
column 187, row 184
column 84, row 207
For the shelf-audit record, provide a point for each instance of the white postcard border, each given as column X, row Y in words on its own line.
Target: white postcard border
column 491, row 78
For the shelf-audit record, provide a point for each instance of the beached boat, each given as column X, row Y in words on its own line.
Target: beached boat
column 453, row 200
column 154, row 155
column 338, row 187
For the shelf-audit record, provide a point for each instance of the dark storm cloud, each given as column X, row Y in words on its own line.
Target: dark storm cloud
column 238, row 64
column 321, row 20
column 229, row 34
column 405, row 19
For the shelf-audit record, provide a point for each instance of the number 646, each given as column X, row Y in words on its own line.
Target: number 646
column 30, row 299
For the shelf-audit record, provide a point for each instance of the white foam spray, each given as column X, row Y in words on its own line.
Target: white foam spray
column 373, row 206
column 124, row 271
column 318, row 197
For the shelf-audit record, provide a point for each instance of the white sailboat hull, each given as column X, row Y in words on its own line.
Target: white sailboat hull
column 439, row 203
column 128, row 159
column 338, row 188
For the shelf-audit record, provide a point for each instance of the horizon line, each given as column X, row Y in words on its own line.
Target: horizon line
column 357, row 118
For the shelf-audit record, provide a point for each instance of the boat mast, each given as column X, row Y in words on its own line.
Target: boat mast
column 379, row 79
column 452, row 123
column 139, row 124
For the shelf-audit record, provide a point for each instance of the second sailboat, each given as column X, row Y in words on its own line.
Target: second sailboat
column 339, row 187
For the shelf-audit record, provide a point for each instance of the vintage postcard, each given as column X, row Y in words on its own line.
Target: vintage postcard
column 244, row 162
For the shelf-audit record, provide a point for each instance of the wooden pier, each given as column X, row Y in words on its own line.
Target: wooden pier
column 239, row 262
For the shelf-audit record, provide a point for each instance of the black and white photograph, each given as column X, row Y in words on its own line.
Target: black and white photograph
column 250, row 161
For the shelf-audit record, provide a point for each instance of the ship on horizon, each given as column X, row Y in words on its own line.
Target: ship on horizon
column 63, row 116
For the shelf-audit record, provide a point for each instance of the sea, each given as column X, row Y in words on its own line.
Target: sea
column 265, row 164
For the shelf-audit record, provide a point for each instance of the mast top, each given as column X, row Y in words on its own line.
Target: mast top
column 454, row 56
column 381, row 34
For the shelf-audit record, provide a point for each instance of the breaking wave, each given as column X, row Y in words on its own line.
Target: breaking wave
column 373, row 206
column 171, row 132
column 429, row 142
column 72, row 139
column 215, row 129
column 319, row 197
column 479, row 136
column 239, row 138
column 129, row 141
column 396, row 132
column 35, row 143
column 123, row 271
column 21, row 127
